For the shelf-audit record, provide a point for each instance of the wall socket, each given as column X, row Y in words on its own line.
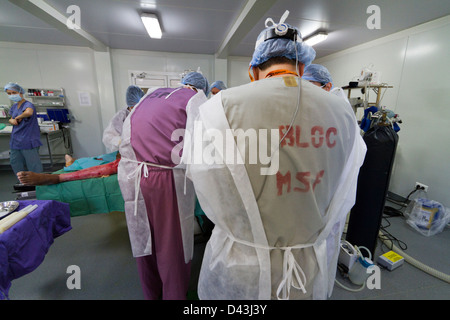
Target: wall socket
column 421, row 186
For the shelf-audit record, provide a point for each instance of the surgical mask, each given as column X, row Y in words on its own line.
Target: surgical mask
column 15, row 97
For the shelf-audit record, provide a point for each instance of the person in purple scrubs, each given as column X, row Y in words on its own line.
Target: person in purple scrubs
column 146, row 168
column 25, row 137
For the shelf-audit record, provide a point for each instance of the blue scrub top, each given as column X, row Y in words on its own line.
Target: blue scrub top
column 26, row 135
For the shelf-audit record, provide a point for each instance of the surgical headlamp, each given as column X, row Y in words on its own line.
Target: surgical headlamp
column 275, row 33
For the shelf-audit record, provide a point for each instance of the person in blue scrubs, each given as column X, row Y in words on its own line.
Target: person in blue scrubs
column 25, row 137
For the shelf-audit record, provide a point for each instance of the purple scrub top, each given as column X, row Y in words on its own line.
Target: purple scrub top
column 154, row 121
column 26, row 135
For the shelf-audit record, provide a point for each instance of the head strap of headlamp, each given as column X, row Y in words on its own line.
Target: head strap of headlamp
column 290, row 34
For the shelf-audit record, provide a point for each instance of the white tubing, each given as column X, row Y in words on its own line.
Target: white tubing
column 435, row 273
column 350, row 289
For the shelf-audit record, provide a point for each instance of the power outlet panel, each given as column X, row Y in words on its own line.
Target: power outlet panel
column 421, row 186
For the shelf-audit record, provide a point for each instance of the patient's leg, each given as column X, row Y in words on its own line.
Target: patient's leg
column 29, row 178
column 37, row 179
column 92, row 172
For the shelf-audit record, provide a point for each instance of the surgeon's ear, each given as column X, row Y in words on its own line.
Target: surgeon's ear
column 301, row 69
column 256, row 72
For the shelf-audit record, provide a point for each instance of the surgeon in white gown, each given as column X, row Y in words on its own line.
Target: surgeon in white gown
column 112, row 136
column 277, row 223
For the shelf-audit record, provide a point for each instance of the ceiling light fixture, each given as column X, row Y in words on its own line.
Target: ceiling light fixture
column 316, row 38
column 147, row 6
column 151, row 24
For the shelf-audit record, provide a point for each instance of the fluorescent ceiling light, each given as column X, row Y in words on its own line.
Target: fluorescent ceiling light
column 151, row 24
column 316, row 38
column 148, row 5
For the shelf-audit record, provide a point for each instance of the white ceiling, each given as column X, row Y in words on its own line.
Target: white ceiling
column 206, row 26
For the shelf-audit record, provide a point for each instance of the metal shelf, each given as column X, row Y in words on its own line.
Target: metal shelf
column 57, row 99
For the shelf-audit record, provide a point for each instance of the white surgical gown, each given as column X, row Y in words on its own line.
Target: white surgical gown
column 275, row 236
column 339, row 92
column 112, row 135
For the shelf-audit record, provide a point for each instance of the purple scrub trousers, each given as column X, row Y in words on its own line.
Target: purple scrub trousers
column 164, row 274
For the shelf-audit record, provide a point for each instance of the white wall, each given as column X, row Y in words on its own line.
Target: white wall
column 48, row 66
column 416, row 62
column 238, row 71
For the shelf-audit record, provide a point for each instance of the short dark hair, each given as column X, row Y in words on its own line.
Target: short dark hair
column 275, row 60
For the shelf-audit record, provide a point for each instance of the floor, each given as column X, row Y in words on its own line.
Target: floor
column 99, row 245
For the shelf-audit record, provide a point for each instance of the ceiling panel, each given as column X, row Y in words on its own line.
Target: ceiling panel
column 345, row 20
column 200, row 26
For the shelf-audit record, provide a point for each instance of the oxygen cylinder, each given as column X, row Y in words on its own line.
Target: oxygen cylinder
column 373, row 183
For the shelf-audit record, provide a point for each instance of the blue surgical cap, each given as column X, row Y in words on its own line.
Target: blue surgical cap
column 219, row 85
column 196, row 80
column 134, row 94
column 282, row 47
column 14, row 86
column 318, row 73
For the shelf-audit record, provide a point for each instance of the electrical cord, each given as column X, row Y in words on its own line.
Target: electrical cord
column 294, row 116
column 392, row 212
column 410, row 194
column 387, row 236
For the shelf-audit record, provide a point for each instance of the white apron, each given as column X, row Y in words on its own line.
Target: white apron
column 237, row 263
